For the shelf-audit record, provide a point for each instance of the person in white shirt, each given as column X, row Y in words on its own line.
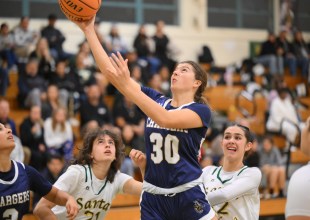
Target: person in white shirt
column 94, row 179
column 232, row 189
column 298, row 193
column 25, row 39
column 58, row 134
column 283, row 117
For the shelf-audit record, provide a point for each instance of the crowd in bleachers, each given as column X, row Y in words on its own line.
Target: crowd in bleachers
column 56, row 86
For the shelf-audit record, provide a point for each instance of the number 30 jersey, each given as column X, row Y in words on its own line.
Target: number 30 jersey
column 172, row 154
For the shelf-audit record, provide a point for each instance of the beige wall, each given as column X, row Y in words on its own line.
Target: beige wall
column 228, row 45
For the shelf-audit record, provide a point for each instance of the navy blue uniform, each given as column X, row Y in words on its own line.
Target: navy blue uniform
column 15, row 187
column 172, row 162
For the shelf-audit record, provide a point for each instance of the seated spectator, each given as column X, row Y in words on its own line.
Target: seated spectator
column 4, row 115
column 288, row 52
column 7, row 45
column 115, row 42
column 67, row 83
column 93, row 109
column 43, row 55
column 25, row 40
column 302, row 53
column 51, row 102
column 4, row 75
column 55, row 39
column 271, row 164
column 89, row 60
column 31, row 85
column 55, row 166
column 252, row 159
column 58, row 134
column 32, row 136
column 162, row 43
column 283, row 117
column 271, row 56
column 206, row 56
column 145, row 48
column 82, row 72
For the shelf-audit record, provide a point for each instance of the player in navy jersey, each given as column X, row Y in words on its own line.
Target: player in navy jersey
column 175, row 129
column 17, row 180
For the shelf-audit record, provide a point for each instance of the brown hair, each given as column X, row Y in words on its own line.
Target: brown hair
column 84, row 155
column 54, row 122
column 202, row 76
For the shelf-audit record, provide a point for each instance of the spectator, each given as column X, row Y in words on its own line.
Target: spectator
column 145, row 48
column 55, row 167
column 7, row 45
column 271, row 164
column 58, row 134
column 115, row 42
column 43, row 55
column 271, row 56
column 161, row 45
column 55, row 38
column 287, row 52
column 4, row 75
column 31, row 85
column 88, row 60
column 93, row 109
column 51, row 102
column 66, row 81
column 252, row 159
column 82, row 72
column 25, row 40
column 302, row 53
column 32, row 136
column 283, row 117
column 206, row 56
column 4, row 115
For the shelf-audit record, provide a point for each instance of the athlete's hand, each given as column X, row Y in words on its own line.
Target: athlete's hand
column 138, row 158
column 72, row 208
column 122, row 74
column 86, row 25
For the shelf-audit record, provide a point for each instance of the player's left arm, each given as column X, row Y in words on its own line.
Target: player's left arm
column 132, row 187
column 56, row 197
column 247, row 183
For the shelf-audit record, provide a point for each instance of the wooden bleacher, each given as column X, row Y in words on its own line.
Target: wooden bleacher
column 221, row 98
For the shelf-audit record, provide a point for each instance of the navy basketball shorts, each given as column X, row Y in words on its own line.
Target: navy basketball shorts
column 188, row 205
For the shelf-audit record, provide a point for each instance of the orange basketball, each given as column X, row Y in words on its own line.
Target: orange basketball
column 79, row 10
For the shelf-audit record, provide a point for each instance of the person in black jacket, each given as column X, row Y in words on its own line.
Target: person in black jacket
column 32, row 136
column 271, row 56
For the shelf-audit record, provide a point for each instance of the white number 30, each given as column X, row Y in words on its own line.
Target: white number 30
column 165, row 148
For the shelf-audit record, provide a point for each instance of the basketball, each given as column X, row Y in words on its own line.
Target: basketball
column 79, row 10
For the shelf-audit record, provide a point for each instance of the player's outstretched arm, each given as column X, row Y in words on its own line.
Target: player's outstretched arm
column 56, row 197
column 116, row 71
column 305, row 138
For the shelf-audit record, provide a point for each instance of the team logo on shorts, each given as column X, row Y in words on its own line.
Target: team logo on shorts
column 198, row 207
